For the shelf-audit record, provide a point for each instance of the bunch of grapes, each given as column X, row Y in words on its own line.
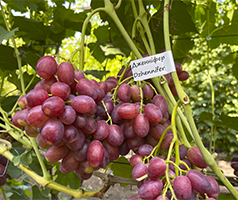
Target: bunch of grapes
column 85, row 124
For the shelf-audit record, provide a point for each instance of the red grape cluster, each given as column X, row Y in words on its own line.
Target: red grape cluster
column 85, row 124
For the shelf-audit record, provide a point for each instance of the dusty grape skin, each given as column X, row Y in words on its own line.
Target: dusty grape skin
column 195, row 157
column 135, row 93
column 167, row 141
column 81, row 154
column 157, row 131
column 36, row 97
column 65, row 73
column 60, row 89
column 128, row 111
column 68, row 116
column 95, row 153
column 81, row 120
column 20, row 118
column 53, row 106
column 56, row 153
column 90, row 127
column 161, row 103
column 148, row 92
column 36, row 117
column 83, row 104
column 153, row 113
column 100, row 94
column 46, row 84
column 46, row 67
column 156, row 168
column 78, row 75
column 31, row 131
column 102, row 130
column 110, row 85
column 124, row 92
column 70, row 133
column 77, row 143
column 199, row 181
column 139, row 170
column 145, row 150
column 135, row 143
column 69, row 163
column 105, row 160
column 52, row 131
column 83, row 175
column 115, row 136
column 150, row 189
column 183, row 76
column 151, row 140
column 182, row 151
column 128, row 129
column 141, row 125
column 113, row 151
column 115, row 117
column 135, row 159
column 182, row 187
column 215, row 191
column 86, row 87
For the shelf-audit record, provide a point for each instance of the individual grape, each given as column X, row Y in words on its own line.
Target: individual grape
column 90, row 127
column 86, row 166
column 20, row 118
column 199, row 181
column 148, row 92
column 135, row 159
column 115, row 136
column 182, row 187
column 47, row 83
column 86, row 87
column 135, row 143
column 102, row 130
column 182, row 151
column 183, row 76
column 78, row 75
column 145, row 150
column 156, row 168
column 53, row 106
column 135, row 93
column 56, row 153
column 100, row 94
column 73, row 88
column 95, row 153
column 112, row 78
column 141, row 125
column 157, row 131
column 81, row 154
column 160, row 197
column 234, row 165
column 182, row 166
column 38, row 86
column 161, row 103
column 70, row 133
column 105, row 160
column 31, row 131
column 153, row 113
column 46, row 67
column 195, row 157
column 115, row 116
column 65, row 72
column 41, row 142
column 171, row 166
column 150, row 189
column 60, row 89
column 83, row 104
column 110, row 85
column 124, row 92
column 36, row 117
column 128, row 129
column 68, row 115
column 83, row 175
column 167, row 141
column 113, row 151
column 69, row 163
column 103, row 85
column 172, row 176
column 139, row 170
column 123, row 148
column 68, row 100
column 109, row 105
column 149, row 139
column 22, row 102
column 215, row 191
column 234, row 159
column 36, row 97
column 52, row 131
column 128, row 111
column 77, row 143
column 81, row 120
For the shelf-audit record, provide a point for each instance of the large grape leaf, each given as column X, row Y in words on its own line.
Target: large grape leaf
column 23, row 5
column 7, row 59
column 39, row 194
column 4, row 34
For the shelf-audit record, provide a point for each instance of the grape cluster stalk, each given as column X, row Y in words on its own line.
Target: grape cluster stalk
column 85, row 124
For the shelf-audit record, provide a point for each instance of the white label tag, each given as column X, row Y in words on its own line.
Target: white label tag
column 152, row 66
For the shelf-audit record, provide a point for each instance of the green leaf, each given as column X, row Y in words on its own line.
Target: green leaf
column 7, row 59
column 39, row 194
column 31, row 58
column 235, row 68
column 122, row 168
column 26, row 158
column 96, row 73
column 14, row 171
column 226, row 197
column 19, row 196
column 4, row 34
column 8, row 102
